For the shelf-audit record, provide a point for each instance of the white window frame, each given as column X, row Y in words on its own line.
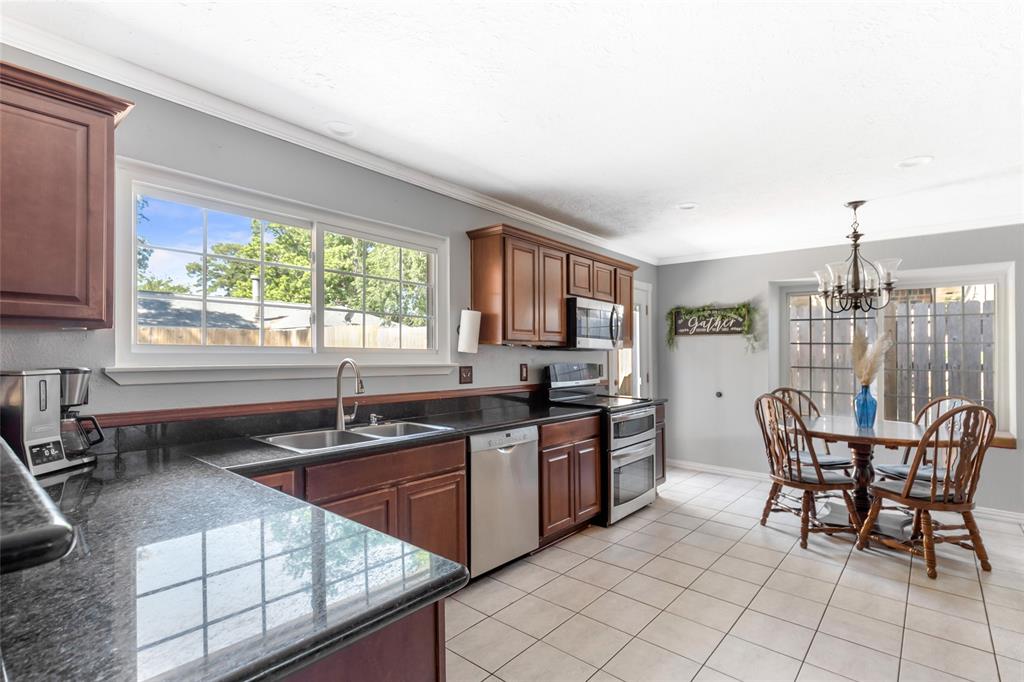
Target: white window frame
column 153, row 364
column 1005, row 369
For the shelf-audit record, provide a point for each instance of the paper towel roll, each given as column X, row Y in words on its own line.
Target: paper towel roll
column 469, row 331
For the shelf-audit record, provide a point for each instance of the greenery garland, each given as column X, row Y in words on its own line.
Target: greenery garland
column 744, row 311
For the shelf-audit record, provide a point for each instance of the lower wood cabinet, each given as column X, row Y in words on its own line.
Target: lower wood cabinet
column 285, row 481
column 432, row 515
column 570, row 475
column 377, row 510
column 660, row 454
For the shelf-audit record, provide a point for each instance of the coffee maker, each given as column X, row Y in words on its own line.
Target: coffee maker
column 38, row 422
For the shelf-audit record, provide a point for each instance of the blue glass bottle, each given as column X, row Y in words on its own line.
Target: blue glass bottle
column 865, row 406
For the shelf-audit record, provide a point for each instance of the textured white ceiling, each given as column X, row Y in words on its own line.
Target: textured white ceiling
column 606, row 116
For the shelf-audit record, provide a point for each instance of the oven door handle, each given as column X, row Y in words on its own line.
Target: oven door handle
column 635, row 414
column 633, row 453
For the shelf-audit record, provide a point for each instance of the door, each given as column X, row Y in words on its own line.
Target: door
column 56, row 222
column 604, row 282
column 377, row 510
column 588, row 479
column 581, row 276
column 631, row 367
column 283, row 481
column 552, row 296
column 432, row 515
column 556, row 489
column 522, row 279
column 624, row 297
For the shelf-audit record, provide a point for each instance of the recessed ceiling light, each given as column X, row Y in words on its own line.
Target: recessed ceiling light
column 913, row 161
column 340, row 129
column 687, row 206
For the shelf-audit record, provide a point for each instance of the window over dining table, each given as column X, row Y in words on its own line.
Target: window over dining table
column 945, row 343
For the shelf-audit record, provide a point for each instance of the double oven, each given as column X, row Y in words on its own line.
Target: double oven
column 629, row 456
column 631, row 461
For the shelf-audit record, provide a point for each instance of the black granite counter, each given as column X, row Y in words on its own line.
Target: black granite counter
column 32, row 529
column 186, row 571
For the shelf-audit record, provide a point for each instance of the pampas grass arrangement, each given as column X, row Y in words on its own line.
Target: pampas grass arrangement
column 867, row 359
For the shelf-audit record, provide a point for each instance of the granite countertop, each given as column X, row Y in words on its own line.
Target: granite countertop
column 32, row 529
column 186, row 570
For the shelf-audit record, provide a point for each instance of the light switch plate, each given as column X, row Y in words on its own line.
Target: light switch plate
column 466, row 374
column 524, row 372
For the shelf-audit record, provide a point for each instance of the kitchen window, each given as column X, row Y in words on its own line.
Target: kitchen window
column 226, row 277
column 946, row 343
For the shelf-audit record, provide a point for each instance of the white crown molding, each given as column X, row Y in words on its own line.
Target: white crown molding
column 31, row 39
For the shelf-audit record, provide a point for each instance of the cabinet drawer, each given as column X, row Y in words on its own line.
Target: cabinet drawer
column 570, row 432
column 284, row 481
column 326, row 482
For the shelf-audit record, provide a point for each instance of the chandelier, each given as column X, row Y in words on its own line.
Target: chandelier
column 856, row 283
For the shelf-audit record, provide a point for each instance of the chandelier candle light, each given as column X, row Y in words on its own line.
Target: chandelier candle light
column 867, row 360
column 856, row 283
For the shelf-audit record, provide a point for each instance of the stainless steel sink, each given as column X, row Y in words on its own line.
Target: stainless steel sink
column 316, row 441
column 397, row 429
column 325, row 440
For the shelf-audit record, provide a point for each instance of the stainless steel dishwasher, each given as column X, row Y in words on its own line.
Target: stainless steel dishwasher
column 504, row 497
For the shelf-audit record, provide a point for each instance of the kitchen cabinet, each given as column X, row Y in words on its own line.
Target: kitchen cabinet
column 57, row 213
column 624, row 297
column 581, row 276
column 570, row 475
column 604, row 282
column 285, row 481
column 377, row 510
column 519, row 282
column 432, row 513
column 552, row 296
column 659, row 444
column 557, row 508
column 415, row 494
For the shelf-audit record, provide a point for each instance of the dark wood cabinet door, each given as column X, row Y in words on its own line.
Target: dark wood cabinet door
column 56, row 217
column 377, row 510
column 604, row 282
column 522, row 289
column 552, row 295
column 432, row 515
column 285, row 481
column 659, row 453
column 588, row 479
column 624, row 297
column 581, row 276
column 556, row 489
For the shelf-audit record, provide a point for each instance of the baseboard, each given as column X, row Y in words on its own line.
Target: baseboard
column 981, row 512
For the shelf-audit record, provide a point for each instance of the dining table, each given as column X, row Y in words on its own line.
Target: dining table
column 894, row 435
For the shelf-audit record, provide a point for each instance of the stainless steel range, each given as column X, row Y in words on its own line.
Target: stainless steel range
column 629, row 434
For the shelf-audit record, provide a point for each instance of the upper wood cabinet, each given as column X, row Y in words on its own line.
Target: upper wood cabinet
column 624, row 297
column 57, row 213
column 581, row 276
column 519, row 282
column 604, row 282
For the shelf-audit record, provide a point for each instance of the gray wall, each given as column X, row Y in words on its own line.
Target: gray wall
column 164, row 133
column 722, row 431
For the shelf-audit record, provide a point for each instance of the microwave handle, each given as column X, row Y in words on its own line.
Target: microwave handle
column 613, row 325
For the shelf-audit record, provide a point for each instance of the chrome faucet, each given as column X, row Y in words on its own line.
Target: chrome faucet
column 343, row 418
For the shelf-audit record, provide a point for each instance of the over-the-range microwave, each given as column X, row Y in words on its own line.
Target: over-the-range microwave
column 593, row 324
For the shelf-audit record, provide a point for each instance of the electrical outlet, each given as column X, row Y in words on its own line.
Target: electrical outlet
column 524, row 372
column 466, row 374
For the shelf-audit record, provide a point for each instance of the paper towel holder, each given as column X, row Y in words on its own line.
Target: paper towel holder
column 469, row 331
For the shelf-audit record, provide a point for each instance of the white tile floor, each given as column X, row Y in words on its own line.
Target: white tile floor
column 693, row 588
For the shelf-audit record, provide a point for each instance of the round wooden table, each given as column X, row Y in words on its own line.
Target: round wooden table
column 862, row 442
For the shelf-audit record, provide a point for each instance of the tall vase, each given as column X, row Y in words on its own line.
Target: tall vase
column 865, row 406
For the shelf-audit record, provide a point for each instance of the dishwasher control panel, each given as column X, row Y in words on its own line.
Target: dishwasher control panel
column 502, row 439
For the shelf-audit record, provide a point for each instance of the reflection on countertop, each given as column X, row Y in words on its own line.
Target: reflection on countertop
column 188, row 571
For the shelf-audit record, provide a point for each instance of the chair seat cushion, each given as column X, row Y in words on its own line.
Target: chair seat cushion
column 826, row 461
column 919, row 491
column 901, row 471
column 831, row 477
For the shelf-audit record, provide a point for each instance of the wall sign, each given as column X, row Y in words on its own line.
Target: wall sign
column 711, row 321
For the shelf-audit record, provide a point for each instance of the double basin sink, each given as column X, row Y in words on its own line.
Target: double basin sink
column 325, row 440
